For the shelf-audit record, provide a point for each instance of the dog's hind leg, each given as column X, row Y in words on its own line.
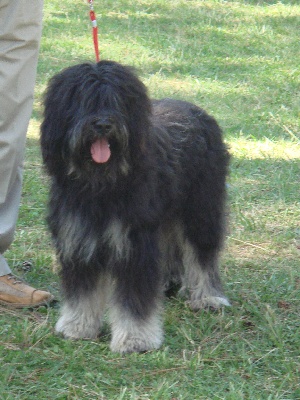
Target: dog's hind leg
column 82, row 313
column 201, row 281
column 135, row 305
column 203, row 228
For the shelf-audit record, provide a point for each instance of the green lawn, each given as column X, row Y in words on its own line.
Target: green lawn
column 240, row 61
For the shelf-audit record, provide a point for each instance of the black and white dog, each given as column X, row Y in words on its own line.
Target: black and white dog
column 136, row 204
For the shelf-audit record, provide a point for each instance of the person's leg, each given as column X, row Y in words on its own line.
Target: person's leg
column 20, row 32
column 4, row 268
column 8, row 217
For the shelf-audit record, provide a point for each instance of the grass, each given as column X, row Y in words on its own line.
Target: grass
column 239, row 60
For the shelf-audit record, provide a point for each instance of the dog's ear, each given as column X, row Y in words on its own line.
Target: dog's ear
column 58, row 112
column 138, row 107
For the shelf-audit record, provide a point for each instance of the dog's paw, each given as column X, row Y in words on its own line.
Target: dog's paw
column 212, row 302
column 131, row 344
column 76, row 328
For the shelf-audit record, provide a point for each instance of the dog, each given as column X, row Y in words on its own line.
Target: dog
column 137, row 202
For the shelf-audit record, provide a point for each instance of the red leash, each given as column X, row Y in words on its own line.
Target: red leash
column 95, row 29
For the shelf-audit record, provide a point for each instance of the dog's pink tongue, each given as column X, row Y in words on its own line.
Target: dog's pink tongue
column 100, row 151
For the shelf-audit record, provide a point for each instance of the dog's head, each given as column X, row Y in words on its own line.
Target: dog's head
column 96, row 119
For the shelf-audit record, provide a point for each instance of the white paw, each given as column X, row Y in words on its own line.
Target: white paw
column 133, row 335
column 77, row 328
column 213, row 302
column 131, row 344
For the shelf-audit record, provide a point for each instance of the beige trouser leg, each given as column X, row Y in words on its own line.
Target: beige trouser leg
column 20, row 32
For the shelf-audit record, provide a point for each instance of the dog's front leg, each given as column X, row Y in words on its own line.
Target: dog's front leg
column 82, row 312
column 135, row 309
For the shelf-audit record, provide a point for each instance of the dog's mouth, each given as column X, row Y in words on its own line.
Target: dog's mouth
column 100, row 150
column 98, row 142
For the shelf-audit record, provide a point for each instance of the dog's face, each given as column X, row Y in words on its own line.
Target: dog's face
column 95, row 122
column 98, row 143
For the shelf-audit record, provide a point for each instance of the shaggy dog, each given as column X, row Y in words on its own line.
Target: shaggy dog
column 136, row 204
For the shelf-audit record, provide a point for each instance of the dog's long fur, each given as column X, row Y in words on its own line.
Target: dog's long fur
column 149, row 217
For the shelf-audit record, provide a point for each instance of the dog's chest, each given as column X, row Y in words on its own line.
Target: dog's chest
column 116, row 238
column 89, row 240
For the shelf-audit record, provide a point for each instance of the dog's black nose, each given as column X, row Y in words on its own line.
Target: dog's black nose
column 103, row 125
